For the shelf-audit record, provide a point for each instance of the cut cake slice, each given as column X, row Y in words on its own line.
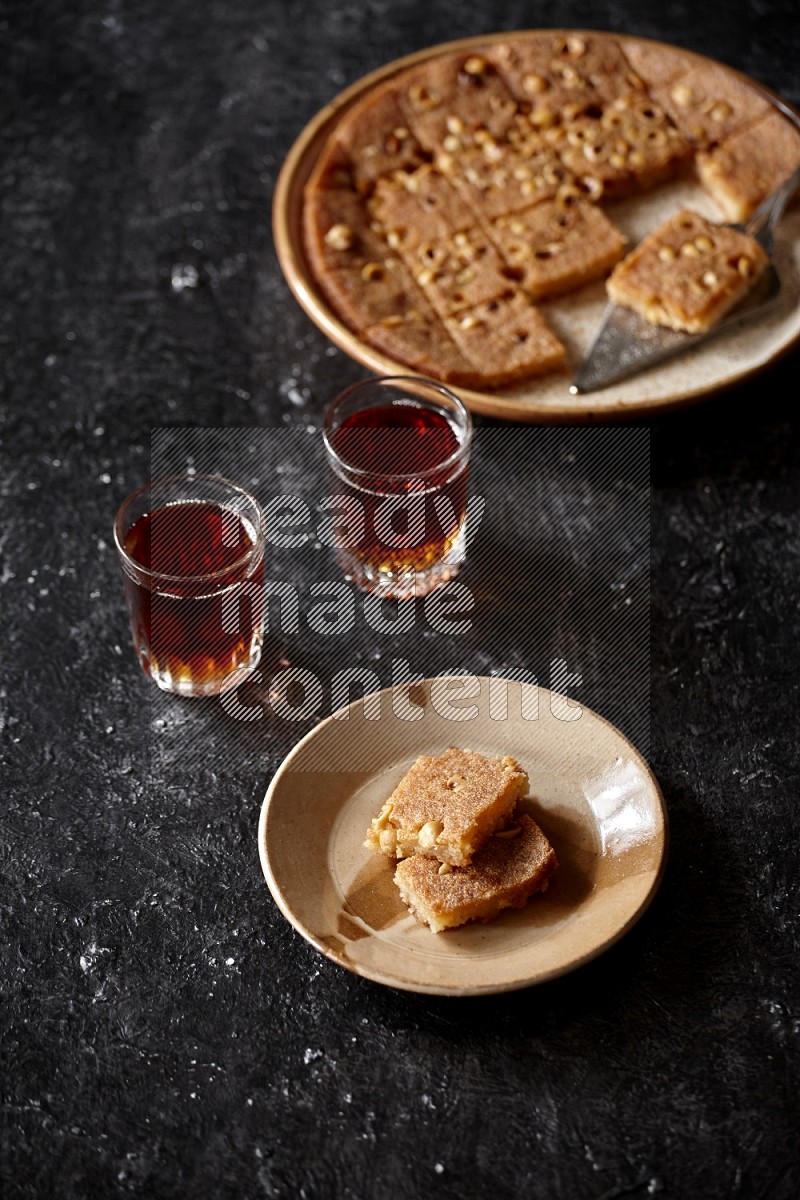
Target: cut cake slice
column 556, row 246
column 507, row 339
column 748, row 166
column 377, row 290
column 497, row 178
column 688, row 273
column 560, row 74
column 708, row 103
column 337, row 231
column 447, row 806
column 418, row 207
column 455, row 93
column 513, row 865
column 654, row 62
column 377, row 140
column 632, row 146
column 459, row 271
column 417, row 338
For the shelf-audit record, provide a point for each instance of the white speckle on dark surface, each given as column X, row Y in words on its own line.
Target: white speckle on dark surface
column 183, row 276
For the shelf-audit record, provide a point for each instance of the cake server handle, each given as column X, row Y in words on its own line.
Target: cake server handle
column 762, row 224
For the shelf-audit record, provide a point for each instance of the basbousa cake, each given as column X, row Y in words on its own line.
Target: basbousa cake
column 515, row 864
column 454, row 149
column 688, row 273
column 447, row 806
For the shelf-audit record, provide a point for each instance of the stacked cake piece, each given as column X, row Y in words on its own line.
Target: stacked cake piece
column 466, row 851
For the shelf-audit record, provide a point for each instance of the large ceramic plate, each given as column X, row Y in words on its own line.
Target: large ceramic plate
column 591, row 792
column 714, row 366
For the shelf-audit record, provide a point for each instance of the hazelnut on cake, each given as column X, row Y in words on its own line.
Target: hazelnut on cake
column 416, row 337
column 447, row 806
column 631, row 146
column 495, row 179
column 418, row 206
column 513, row 865
column 688, row 273
column 338, row 231
column 373, row 291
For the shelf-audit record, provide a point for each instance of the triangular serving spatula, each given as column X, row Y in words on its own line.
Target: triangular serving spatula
column 627, row 344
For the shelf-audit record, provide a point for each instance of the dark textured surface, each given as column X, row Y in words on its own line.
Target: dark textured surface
column 166, row 1032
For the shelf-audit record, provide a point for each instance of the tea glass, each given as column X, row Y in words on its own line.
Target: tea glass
column 191, row 548
column 398, row 450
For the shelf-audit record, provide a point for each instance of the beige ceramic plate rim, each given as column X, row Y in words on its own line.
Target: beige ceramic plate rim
column 573, row 410
column 395, row 979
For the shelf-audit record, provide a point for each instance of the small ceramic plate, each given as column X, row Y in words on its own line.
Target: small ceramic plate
column 712, row 367
column 590, row 790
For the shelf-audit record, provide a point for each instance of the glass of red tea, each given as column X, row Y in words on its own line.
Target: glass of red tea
column 192, row 553
column 398, row 450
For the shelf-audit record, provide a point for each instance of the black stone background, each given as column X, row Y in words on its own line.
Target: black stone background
column 166, row 1033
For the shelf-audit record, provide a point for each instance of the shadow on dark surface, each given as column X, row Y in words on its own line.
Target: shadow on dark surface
column 670, row 962
column 738, row 436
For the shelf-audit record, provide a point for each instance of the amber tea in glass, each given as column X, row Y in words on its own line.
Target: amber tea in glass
column 398, row 450
column 192, row 554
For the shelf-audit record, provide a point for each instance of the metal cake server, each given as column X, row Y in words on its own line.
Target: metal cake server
column 627, row 344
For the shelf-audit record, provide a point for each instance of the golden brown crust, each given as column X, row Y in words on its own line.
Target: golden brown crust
column 447, row 806
column 556, row 247
column 461, row 89
column 749, row 165
column 708, row 103
column 511, row 867
column 507, row 339
column 655, row 63
column 688, row 273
